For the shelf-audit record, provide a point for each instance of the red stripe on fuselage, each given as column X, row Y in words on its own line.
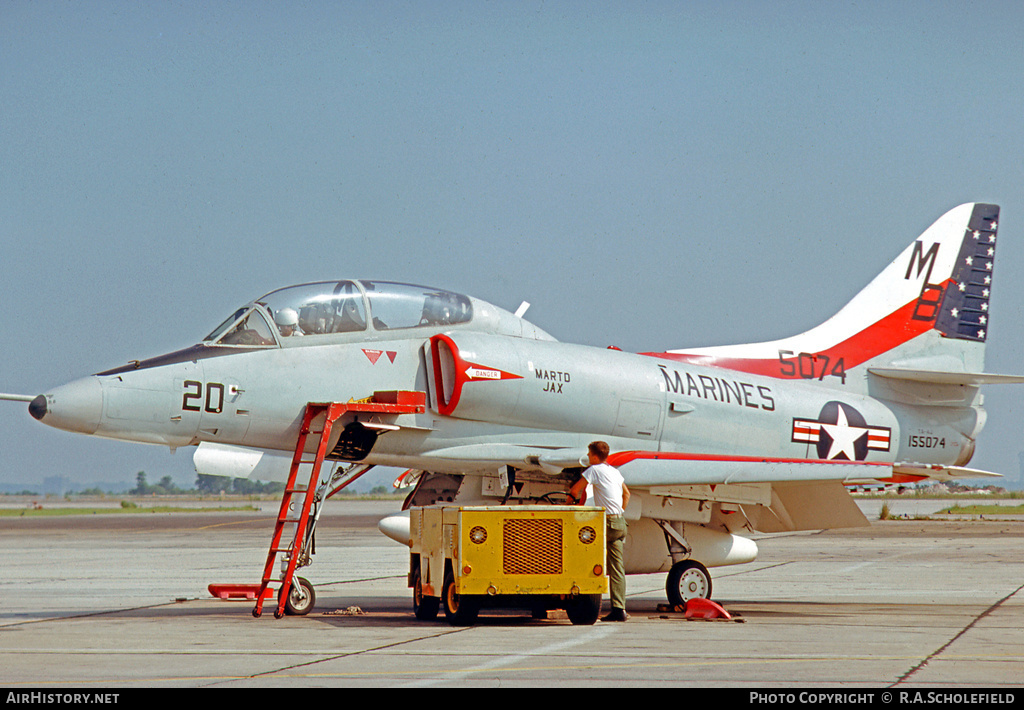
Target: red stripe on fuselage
column 621, row 458
column 891, row 331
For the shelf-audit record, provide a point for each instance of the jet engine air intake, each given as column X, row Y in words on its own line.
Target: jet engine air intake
column 534, row 383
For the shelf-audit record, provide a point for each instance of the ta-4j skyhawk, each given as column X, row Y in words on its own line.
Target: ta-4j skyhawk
column 714, row 443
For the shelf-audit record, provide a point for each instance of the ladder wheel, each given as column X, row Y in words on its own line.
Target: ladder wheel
column 301, row 598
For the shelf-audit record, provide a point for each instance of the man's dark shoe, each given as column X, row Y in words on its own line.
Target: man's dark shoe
column 616, row 615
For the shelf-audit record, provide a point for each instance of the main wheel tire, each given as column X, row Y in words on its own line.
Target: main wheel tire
column 584, row 610
column 301, row 597
column 425, row 608
column 687, row 580
column 459, row 609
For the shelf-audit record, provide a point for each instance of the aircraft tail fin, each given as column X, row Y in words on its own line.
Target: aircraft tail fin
column 927, row 311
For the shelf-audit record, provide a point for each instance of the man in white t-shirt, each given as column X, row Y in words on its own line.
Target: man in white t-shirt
column 605, row 484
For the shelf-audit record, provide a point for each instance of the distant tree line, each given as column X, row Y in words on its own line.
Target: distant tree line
column 212, row 485
column 224, row 484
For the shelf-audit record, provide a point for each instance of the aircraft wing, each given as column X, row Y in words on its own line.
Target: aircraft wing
column 648, row 468
column 490, row 456
column 940, row 473
column 802, row 495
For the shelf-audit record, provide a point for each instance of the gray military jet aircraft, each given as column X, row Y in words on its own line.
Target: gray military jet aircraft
column 713, row 442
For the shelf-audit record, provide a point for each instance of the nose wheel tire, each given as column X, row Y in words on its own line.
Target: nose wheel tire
column 301, row 597
column 688, row 580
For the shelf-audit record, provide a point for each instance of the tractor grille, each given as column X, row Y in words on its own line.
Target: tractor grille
column 532, row 547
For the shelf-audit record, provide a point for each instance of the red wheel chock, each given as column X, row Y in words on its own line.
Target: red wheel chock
column 705, row 609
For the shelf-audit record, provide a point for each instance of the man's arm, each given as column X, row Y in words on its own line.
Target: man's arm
column 578, row 492
column 625, row 495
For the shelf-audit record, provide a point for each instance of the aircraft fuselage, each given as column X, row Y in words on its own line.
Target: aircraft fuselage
column 518, row 392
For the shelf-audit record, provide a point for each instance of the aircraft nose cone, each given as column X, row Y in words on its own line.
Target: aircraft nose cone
column 37, row 408
column 76, row 406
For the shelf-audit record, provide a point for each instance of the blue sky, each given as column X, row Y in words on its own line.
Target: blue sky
column 650, row 175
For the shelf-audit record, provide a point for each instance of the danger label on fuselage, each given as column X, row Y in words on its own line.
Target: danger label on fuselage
column 717, row 389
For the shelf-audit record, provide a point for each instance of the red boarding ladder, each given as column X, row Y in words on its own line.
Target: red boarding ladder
column 399, row 402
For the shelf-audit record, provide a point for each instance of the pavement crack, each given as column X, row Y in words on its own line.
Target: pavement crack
column 351, row 654
column 936, row 653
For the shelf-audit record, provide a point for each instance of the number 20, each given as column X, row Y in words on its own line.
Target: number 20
column 212, row 403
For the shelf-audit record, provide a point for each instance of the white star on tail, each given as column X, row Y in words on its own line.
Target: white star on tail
column 844, row 437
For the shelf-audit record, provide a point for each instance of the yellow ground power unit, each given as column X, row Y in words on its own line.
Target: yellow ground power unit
column 464, row 559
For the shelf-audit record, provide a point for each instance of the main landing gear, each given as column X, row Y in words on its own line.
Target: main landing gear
column 688, row 579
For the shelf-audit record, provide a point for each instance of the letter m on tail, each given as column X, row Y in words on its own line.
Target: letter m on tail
column 928, row 303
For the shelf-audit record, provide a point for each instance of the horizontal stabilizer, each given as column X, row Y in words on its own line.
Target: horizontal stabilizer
column 946, row 378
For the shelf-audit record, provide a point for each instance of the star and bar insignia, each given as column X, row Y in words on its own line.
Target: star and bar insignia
column 841, row 433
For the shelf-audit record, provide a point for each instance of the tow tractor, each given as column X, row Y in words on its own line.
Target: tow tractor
column 464, row 559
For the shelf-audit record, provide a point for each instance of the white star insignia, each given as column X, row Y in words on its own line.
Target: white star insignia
column 985, row 293
column 976, row 233
column 962, row 286
column 995, row 226
column 984, row 320
column 991, row 251
column 969, row 260
column 844, row 437
column 981, row 333
column 984, row 306
column 955, row 313
column 988, row 280
column 988, row 266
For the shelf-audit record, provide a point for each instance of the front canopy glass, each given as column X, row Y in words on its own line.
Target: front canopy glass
column 333, row 307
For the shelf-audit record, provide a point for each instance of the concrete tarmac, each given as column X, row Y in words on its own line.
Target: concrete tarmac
column 121, row 601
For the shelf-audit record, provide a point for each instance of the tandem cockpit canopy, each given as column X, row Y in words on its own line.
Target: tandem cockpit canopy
column 330, row 308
